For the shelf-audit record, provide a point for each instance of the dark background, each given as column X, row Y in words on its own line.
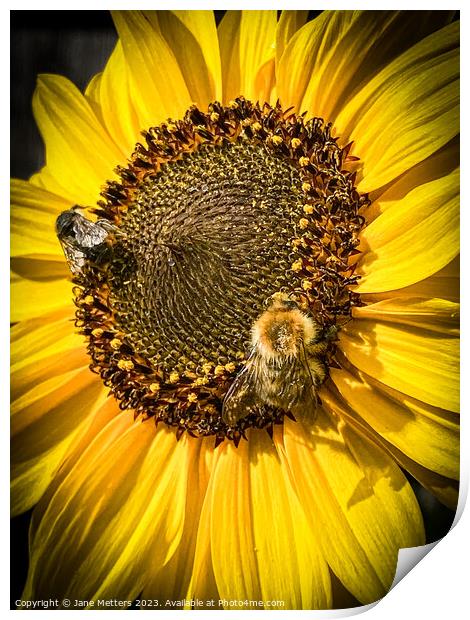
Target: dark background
column 77, row 44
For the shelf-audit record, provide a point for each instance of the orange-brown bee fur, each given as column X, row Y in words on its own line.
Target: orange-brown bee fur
column 284, row 369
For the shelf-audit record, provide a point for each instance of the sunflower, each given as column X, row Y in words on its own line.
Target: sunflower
column 219, row 166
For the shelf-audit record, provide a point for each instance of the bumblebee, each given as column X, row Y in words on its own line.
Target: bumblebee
column 84, row 242
column 284, row 369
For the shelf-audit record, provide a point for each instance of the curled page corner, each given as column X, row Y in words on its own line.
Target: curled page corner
column 408, row 558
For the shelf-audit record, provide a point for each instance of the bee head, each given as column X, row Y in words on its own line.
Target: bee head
column 65, row 222
column 281, row 301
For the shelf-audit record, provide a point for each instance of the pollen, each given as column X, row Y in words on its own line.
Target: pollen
column 154, row 387
column 296, row 143
column 297, row 265
column 276, row 140
column 192, row 397
column 304, row 161
column 303, row 223
column 126, row 364
column 115, row 343
column 207, row 368
column 174, row 377
column 308, row 209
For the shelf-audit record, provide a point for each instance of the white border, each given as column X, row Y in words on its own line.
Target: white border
column 438, row 586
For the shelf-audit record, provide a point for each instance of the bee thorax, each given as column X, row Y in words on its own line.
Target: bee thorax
column 280, row 334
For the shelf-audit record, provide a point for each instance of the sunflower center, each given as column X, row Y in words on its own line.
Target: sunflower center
column 209, row 238
column 215, row 215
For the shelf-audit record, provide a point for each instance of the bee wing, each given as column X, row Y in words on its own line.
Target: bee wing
column 308, row 401
column 88, row 234
column 242, row 395
column 74, row 256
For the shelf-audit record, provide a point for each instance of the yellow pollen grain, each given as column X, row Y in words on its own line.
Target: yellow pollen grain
column 230, row 367
column 115, row 343
column 207, row 368
column 126, row 364
column 88, row 299
column 295, row 143
column 303, row 223
column 215, row 117
column 256, row 126
column 306, row 187
column 304, row 161
column 154, row 387
column 192, row 397
column 308, row 209
column 276, row 140
column 97, row 332
column 174, row 377
column 307, row 285
column 201, row 381
column 296, row 242
column 219, row 370
column 297, row 265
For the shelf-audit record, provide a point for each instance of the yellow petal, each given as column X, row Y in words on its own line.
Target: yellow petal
column 407, row 112
column 358, row 498
column 229, row 43
column 33, row 215
column 45, row 420
column 42, row 350
column 412, row 239
column 444, row 489
column 428, row 435
column 289, row 23
column 445, row 284
column 233, row 547
column 247, row 41
column 369, row 41
column 305, row 54
column 203, row 583
column 265, row 83
column 192, row 37
column 98, row 421
column 80, row 154
column 113, row 96
column 45, row 180
column 288, row 551
column 45, row 290
column 171, row 582
column 92, row 94
column 440, row 164
column 277, row 552
column 419, row 363
column 158, row 88
column 435, row 314
column 119, row 516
